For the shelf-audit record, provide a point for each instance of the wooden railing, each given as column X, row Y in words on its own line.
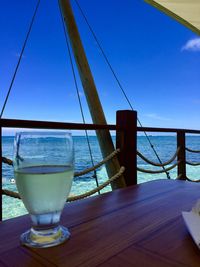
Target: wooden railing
column 126, row 140
column 181, row 144
column 12, row 123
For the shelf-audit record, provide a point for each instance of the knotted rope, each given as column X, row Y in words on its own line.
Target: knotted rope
column 73, row 198
column 158, row 164
column 193, row 163
column 159, row 171
column 194, row 181
column 94, row 167
column 87, row 194
column 191, row 150
column 7, row 161
column 112, row 155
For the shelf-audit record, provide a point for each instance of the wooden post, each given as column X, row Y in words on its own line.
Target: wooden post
column 98, row 117
column 181, row 170
column 1, row 173
column 126, row 140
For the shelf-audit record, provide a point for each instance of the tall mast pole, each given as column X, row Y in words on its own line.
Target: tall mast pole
column 97, row 114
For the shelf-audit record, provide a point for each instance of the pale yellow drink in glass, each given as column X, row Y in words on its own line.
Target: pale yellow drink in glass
column 44, row 189
column 44, row 168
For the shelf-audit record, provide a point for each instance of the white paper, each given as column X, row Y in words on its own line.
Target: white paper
column 192, row 221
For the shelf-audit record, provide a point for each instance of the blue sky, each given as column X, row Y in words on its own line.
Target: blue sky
column 156, row 59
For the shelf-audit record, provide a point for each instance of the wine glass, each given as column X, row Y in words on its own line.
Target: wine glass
column 44, row 168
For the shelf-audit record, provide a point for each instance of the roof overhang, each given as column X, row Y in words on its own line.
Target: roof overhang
column 186, row 12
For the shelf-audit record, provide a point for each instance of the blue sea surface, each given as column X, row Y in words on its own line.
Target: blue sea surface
column 164, row 145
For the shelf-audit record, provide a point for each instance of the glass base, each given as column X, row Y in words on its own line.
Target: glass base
column 45, row 238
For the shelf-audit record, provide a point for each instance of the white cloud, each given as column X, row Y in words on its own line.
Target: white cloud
column 192, row 45
column 157, row 117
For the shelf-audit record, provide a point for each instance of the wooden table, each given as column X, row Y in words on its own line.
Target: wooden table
column 137, row 226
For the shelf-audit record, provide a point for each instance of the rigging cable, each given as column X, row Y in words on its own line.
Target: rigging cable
column 20, row 57
column 78, row 95
column 119, row 83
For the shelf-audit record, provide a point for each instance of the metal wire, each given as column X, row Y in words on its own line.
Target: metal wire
column 20, row 57
column 119, row 83
column 77, row 91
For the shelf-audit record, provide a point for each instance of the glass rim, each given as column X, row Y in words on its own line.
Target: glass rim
column 59, row 132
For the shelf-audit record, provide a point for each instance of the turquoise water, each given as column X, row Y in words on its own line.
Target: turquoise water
column 164, row 145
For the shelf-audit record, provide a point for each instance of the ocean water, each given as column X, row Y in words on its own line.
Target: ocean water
column 164, row 145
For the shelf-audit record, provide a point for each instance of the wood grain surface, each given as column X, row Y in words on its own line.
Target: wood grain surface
column 137, row 226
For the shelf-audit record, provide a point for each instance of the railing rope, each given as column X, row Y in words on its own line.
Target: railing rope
column 159, row 171
column 193, row 163
column 194, row 181
column 7, row 161
column 89, row 193
column 109, row 157
column 114, row 153
column 158, row 164
column 73, row 198
column 126, row 140
column 192, row 150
